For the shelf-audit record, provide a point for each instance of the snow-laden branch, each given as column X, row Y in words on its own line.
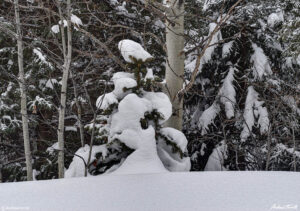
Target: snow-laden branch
column 210, row 39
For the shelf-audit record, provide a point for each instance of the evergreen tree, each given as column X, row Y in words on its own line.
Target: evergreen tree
column 244, row 99
column 131, row 122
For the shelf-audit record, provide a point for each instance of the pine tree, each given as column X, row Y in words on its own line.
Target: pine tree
column 290, row 31
column 241, row 109
column 131, row 122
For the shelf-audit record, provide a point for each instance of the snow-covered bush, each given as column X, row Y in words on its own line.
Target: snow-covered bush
column 132, row 124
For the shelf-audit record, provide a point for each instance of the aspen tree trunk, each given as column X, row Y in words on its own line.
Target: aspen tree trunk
column 23, row 94
column 67, row 53
column 1, row 172
column 79, row 110
column 175, row 60
column 294, row 151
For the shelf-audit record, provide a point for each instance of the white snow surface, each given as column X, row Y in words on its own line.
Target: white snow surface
column 207, row 191
column 129, row 48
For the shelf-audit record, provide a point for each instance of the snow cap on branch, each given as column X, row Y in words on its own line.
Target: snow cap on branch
column 130, row 49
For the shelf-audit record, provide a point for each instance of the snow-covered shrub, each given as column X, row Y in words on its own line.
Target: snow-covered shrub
column 131, row 121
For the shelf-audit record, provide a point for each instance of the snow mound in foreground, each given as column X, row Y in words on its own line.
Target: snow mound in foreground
column 207, row 191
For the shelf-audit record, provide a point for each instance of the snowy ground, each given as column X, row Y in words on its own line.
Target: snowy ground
column 224, row 191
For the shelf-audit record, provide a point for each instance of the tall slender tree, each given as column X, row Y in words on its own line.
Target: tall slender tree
column 67, row 54
column 23, row 92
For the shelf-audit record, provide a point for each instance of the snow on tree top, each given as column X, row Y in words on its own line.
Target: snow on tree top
column 129, row 48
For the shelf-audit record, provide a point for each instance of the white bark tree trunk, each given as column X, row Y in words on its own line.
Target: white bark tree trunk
column 67, row 53
column 1, row 166
column 175, row 60
column 23, row 93
column 79, row 110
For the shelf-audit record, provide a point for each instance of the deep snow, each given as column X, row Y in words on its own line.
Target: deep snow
column 207, row 191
